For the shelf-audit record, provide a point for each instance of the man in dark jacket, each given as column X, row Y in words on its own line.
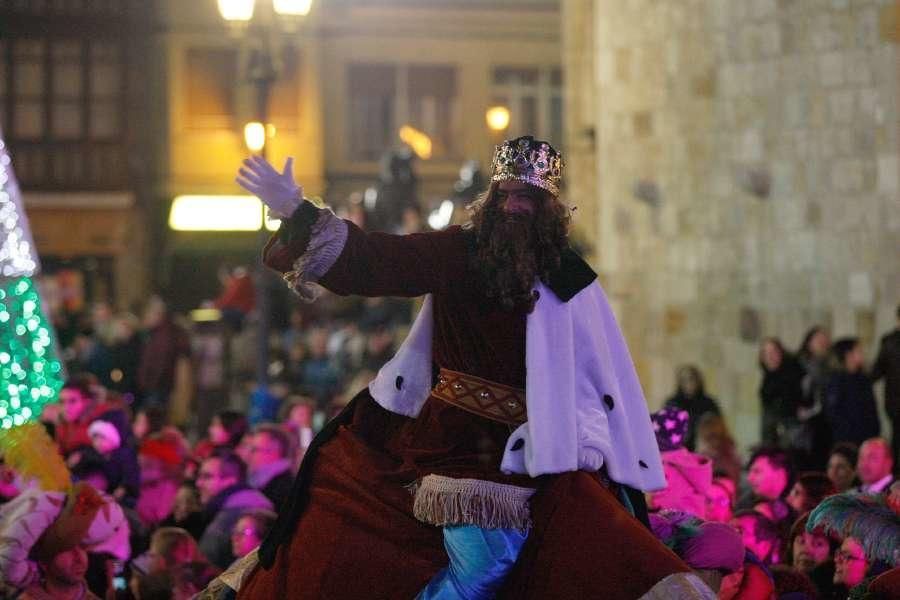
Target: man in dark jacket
column 271, row 465
column 166, row 343
column 849, row 398
column 887, row 365
column 225, row 496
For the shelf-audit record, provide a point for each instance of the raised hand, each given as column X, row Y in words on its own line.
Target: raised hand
column 277, row 190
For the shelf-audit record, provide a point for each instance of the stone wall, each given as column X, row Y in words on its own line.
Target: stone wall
column 745, row 162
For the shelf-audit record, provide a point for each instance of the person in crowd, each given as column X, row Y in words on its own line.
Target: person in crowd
column 271, row 465
column 171, row 549
column 45, row 539
column 148, row 421
column 769, row 477
column 225, row 496
column 780, row 392
column 808, row 490
column 187, row 511
column 688, row 475
column 720, row 500
column 851, row 566
column 124, row 355
column 875, row 466
column 111, row 443
column 318, row 374
column 80, row 406
column 760, row 535
column 296, row 417
column 161, row 458
column 849, row 397
column 842, row 466
column 379, row 348
column 814, row 437
column 811, row 552
column 238, row 297
column 166, row 344
column 711, row 549
column 715, row 441
column 296, row 329
column 250, row 530
column 869, row 527
column 690, row 395
column 169, row 546
column 887, row 366
column 225, row 431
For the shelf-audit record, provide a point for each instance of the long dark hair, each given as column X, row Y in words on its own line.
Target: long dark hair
column 509, row 264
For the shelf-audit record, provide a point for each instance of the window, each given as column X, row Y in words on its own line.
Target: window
column 209, row 82
column 433, row 106
column 385, row 97
column 372, row 90
column 534, row 98
column 28, row 89
column 61, row 107
column 105, row 91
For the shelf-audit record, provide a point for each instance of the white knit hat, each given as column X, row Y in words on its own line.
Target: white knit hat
column 107, row 430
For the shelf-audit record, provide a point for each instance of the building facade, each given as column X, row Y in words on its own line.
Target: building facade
column 75, row 112
column 741, row 164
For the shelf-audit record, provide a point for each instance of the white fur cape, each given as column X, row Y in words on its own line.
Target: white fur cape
column 585, row 405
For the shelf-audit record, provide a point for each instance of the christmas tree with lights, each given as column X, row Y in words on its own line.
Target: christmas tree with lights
column 31, row 374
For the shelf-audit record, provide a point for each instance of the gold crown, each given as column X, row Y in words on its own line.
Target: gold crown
column 529, row 160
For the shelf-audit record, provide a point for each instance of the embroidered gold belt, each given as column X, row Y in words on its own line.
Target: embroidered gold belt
column 482, row 397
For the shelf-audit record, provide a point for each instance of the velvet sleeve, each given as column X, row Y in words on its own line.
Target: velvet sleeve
column 382, row 264
column 315, row 246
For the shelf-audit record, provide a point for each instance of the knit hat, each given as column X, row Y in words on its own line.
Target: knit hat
column 671, row 426
column 38, row 525
column 167, row 451
column 107, row 430
column 701, row 544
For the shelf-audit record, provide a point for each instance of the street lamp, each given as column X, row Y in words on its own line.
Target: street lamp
column 262, row 72
column 497, row 118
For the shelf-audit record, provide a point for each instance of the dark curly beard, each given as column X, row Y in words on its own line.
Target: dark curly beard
column 512, row 251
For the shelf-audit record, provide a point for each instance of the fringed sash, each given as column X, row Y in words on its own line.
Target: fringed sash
column 443, row 501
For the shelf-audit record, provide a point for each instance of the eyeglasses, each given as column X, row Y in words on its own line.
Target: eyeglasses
column 204, row 476
column 242, row 533
column 843, row 555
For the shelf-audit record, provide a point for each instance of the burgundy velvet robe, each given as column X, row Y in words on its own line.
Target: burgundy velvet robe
column 357, row 537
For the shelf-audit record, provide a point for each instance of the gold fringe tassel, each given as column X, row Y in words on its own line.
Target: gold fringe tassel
column 443, row 501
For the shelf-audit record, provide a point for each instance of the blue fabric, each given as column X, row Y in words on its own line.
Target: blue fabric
column 480, row 559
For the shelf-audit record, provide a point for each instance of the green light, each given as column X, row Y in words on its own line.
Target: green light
column 28, row 363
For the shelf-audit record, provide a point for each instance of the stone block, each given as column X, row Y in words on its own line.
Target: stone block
column 847, row 175
column 860, row 289
column 832, row 69
column 889, row 173
column 842, row 106
column 866, row 27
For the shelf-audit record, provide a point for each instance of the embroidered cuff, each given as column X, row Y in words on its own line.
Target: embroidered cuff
column 443, row 501
column 327, row 237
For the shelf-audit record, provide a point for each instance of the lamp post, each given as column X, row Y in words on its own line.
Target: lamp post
column 261, row 28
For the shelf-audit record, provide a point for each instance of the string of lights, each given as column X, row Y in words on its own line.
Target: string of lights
column 30, row 372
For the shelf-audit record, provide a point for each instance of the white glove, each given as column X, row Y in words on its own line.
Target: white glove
column 277, row 190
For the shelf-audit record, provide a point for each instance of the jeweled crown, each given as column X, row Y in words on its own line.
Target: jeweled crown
column 529, row 160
